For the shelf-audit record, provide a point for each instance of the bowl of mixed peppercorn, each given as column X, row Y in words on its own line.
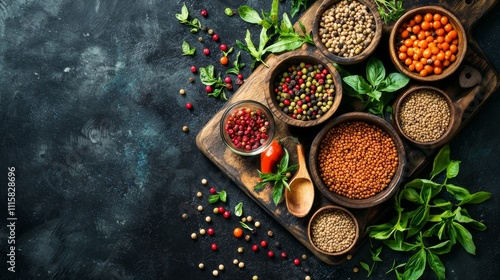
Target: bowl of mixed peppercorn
column 304, row 89
column 357, row 160
column 347, row 32
column 247, row 127
column 428, row 43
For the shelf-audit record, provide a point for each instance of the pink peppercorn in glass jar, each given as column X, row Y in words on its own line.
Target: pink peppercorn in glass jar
column 247, row 127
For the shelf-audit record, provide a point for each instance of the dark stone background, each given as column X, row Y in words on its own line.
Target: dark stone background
column 91, row 118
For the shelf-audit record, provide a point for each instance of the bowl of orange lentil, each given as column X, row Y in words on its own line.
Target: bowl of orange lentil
column 357, row 160
column 427, row 43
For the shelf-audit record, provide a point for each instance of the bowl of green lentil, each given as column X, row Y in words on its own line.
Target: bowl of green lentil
column 347, row 32
column 304, row 89
column 333, row 230
column 247, row 127
column 357, row 160
column 424, row 115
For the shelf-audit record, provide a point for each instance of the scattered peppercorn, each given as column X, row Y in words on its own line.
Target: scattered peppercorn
column 270, row 254
column 221, row 209
column 263, row 243
column 202, row 231
column 226, row 214
column 304, row 91
column 204, row 13
column 357, row 159
column 333, row 230
column 200, row 39
column 347, row 28
column 208, row 219
column 200, row 208
column 307, row 277
column 304, row 257
column 206, row 51
column 257, row 224
column 283, row 255
column 277, row 244
column 210, row 231
column 216, row 210
column 213, row 190
column 215, row 37
column 199, row 194
column 221, row 267
column 189, row 106
column 193, row 69
column 355, row 269
column 255, row 277
column 296, row 262
column 241, row 264
column 210, row 31
column 215, row 272
column 348, row 257
column 240, row 250
column 270, row 233
column 201, row 266
column 235, row 261
column 204, row 181
column 184, row 216
column 255, row 247
column 191, row 79
column 243, row 220
column 248, row 238
column 182, row 91
column 214, row 247
column 194, row 236
column 186, row 129
column 424, row 115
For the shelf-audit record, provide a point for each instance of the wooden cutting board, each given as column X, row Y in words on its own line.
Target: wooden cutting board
column 243, row 170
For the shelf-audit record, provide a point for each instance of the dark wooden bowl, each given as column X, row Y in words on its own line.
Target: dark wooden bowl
column 288, row 59
column 357, row 58
column 394, row 43
column 324, row 208
column 447, row 135
column 378, row 198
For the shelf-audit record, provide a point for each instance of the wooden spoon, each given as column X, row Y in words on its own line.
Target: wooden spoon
column 300, row 198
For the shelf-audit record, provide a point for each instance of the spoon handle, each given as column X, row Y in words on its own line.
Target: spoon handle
column 301, row 156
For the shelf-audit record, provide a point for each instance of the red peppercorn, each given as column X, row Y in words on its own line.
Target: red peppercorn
column 227, row 79
column 189, row 105
column 221, row 209
column 215, row 37
column 263, row 243
column 204, row 13
column 193, row 69
column 240, row 76
column 206, row 51
column 213, row 247
column 270, row 254
column 223, row 47
column 212, row 190
column 226, row 214
column 208, row 89
column 283, row 255
column 210, row 231
column 255, row 248
column 296, row 261
column 229, row 86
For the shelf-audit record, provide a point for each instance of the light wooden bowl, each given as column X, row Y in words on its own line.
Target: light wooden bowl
column 395, row 41
column 378, row 198
column 329, row 207
column 295, row 57
column 366, row 52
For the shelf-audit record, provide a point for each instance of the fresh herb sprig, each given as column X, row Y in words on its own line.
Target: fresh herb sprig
column 237, row 66
column 187, row 49
column 208, row 78
column 390, row 10
column 375, row 93
column 279, row 179
column 214, row 198
column 425, row 215
column 282, row 36
column 296, row 5
column 375, row 258
column 185, row 18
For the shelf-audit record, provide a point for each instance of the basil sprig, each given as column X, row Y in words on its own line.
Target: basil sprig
column 185, row 18
column 214, row 198
column 207, row 77
column 429, row 223
column 279, row 179
column 375, row 93
column 187, row 49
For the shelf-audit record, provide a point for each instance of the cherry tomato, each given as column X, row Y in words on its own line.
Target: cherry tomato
column 224, row 60
column 238, row 232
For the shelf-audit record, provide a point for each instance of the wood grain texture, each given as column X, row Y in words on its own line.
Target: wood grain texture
column 243, row 170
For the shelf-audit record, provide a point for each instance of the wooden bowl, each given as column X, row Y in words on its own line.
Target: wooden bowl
column 366, row 52
column 295, row 57
column 329, row 208
column 382, row 195
column 398, row 124
column 395, row 42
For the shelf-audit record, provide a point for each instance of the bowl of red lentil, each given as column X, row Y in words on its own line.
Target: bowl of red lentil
column 247, row 127
column 424, row 115
column 428, row 43
column 304, row 89
column 333, row 230
column 357, row 160
column 347, row 32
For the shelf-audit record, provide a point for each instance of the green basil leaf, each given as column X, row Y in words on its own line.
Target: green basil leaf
column 375, row 71
column 441, row 248
column 184, row 12
column 411, row 194
column 394, row 82
column 376, row 95
column 458, row 192
column 365, row 266
column 476, row 198
column 263, row 40
column 242, row 46
column 452, row 233
column 441, row 232
column 441, row 161
column 436, row 265
column 381, row 232
column 465, row 219
column 277, row 192
column 207, row 75
column 274, row 12
column 302, row 28
column 400, row 246
column 376, row 254
column 223, row 196
column 250, row 45
column 358, row 84
column 419, row 220
column 186, row 49
column 286, row 25
column 452, row 169
column 249, row 15
column 434, row 230
column 260, row 185
column 286, row 44
column 213, row 198
column 238, row 209
column 415, row 266
column 465, row 238
column 245, row 226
